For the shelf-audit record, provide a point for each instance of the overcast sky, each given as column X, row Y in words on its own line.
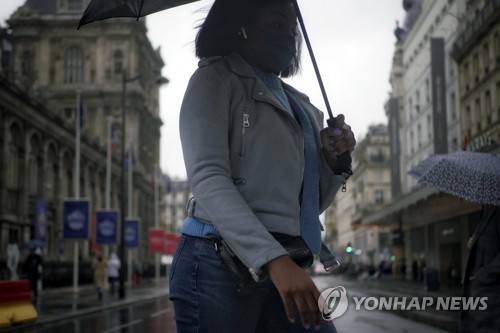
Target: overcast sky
column 353, row 42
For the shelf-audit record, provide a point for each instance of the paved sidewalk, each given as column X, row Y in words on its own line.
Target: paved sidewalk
column 63, row 303
column 394, row 286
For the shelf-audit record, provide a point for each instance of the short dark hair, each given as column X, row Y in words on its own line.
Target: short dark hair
column 218, row 35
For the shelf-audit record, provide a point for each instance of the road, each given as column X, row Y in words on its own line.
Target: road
column 363, row 321
column 156, row 316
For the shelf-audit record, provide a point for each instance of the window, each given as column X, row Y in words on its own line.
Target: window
column 26, row 63
column 34, row 167
column 74, row 5
column 476, row 66
column 478, row 114
column 13, row 157
column 486, row 57
column 50, row 174
column 411, row 142
column 487, row 107
column 410, row 108
column 417, row 105
column 73, row 65
column 453, row 106
column 427, row 91
column 429, row 126
column 419, row 135
column 379, row 197
column 468, row 119
column 118, row 62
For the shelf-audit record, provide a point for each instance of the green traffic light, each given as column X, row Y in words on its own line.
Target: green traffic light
column 348, row 249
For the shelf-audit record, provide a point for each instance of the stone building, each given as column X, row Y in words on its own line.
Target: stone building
column 477, row 53
column 444, row 87
column 113, row 66
column 367, row 190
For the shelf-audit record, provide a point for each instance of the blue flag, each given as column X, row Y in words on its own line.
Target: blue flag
column 130, row 157
column 131, row 233
column 76, row 215
column 106, row 229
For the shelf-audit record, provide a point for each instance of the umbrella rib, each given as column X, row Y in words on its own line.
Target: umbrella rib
column 140, row 10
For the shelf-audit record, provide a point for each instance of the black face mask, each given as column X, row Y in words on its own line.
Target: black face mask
column 277, row 52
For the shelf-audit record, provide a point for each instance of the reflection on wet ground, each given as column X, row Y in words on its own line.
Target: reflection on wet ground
column 152, row 316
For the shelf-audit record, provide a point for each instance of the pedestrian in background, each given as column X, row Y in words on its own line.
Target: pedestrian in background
column 100, row 266
column 33, row 269
column 482, row 274
column 114, row 265
column 258, row 159
column 414, row 270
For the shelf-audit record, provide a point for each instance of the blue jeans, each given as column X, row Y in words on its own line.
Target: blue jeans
column 205, row 299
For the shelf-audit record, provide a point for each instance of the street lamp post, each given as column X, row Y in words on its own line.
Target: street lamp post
column 121, row 289
column 160, row 80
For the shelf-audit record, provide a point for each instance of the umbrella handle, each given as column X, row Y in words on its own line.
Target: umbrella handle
column 344, row 159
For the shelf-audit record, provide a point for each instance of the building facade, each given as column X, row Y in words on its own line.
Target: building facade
column 442, row 97
column 112, row 66
column 368, row 190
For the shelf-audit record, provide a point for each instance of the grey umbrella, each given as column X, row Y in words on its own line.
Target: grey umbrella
column 472, row 176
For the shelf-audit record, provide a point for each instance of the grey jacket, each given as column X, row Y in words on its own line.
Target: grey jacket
column 244, row 156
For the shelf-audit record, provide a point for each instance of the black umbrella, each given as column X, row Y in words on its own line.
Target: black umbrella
column 104, row 9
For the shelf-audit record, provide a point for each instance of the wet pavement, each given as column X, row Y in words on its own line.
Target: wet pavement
column 147, row 309
column 61, row 310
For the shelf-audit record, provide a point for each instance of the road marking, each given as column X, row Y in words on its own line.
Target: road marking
column 123, row 326
column 159, row 313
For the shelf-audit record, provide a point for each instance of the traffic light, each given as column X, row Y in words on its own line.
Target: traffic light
column 348, row 248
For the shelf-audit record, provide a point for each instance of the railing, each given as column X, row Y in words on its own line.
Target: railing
column 486, row 14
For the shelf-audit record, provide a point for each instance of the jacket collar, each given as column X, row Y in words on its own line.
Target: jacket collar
column 238, row 65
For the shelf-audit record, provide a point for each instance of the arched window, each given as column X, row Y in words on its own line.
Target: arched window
column 73, row 65
column 26, row 63
column 50, row 181
column 13, row 157
column 67, row 177
column 34, row 166
column 118, row 62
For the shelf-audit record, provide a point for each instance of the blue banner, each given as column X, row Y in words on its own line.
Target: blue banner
column 76, row 215
column 41, row 221
column 132, row 233
column 106, row 228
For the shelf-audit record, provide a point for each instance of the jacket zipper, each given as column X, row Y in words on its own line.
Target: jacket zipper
column 245, row 125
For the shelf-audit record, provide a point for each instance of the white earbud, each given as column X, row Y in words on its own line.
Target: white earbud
column 244, row 33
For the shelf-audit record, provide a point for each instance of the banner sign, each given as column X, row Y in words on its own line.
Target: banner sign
column 156, row 240
column 41, row 220
column 132, row 233
column 76, row 219
column 106, row 231
column 438, row 77
column 171, row 241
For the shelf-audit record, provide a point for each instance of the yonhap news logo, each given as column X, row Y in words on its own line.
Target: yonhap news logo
column 333, row 303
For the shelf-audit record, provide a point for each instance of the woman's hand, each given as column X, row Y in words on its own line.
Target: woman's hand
column 295, row 288
column 336, row 141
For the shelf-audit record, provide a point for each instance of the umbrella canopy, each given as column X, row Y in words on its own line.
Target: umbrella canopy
column 472, row 176
column 105, row 9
